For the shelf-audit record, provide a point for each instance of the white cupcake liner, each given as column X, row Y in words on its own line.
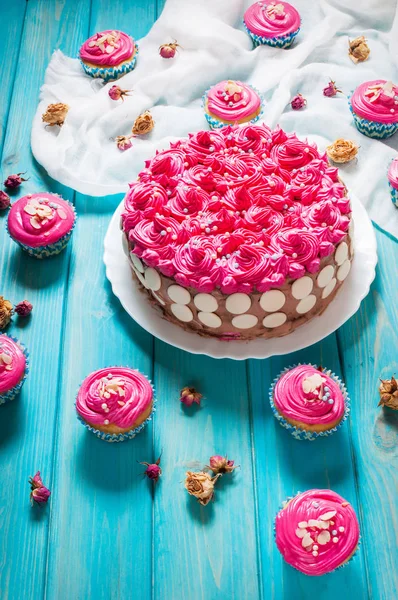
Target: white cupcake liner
column 394, row 194
column 119, row 437
column 111, row 73
column 283, row 41
column 373, row 129
column 13, row 392
column 303, row 434
column 215, row 123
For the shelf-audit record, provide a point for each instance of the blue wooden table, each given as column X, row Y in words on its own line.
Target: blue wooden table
column 106, row 533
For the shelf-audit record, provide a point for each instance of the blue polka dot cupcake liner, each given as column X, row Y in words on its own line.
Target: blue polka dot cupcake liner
column 111, row 73
column 52, row 249
column 13, row 392
column 283, row 41
column 215, row 123
column 120, row 437
column 394, row 194
column 344, row 564
column 304, row 434
column 373, row 129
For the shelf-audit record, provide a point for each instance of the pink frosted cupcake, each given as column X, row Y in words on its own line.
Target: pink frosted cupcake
column 393, row 180
column 272, row 23
column 374, row 105
column 115, row 403
column 309, row 401
column 317, row 532
column 14, row 367
column 109, row 54
column 41, row 224
column 230, row 102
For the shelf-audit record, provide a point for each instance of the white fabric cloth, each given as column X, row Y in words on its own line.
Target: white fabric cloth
column 215, row 46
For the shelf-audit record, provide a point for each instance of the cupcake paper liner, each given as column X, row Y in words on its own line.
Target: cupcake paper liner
column 50, row 250
column 13, row 392
column 373, row 129
column 303, row 434
column 217, row 124
column 111, row 73
column 283, row 41
column 394, row 194
column 119, row 437
column 344, row 564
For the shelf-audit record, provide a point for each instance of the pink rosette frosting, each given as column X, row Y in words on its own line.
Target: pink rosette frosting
column 108, row 48
column 12, row 363
column 114, row 396
column 272, row 19
column 317, row 531
column 308, row 395
column 393, row 173
column 376, row 101
column 40, row 219
column 199, row 205
column 232, row 101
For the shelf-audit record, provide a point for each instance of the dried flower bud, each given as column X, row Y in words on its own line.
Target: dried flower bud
column 39, row 493
column 342, row 151
column 389, row 393
column 143, row 124
column 123, row 142
column 189, row 395
column 153, row 470
column 358, row 50
column 298, row 102
column 14, row 181
column 331, row 89
column 168, row 50
column 5, row 201
column 24, row 308
column 221, row 464
column 116, row 93
column 5, row 312
column 55, row 114
column 200, row 485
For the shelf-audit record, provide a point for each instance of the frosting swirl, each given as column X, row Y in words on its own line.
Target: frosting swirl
column 376, row 100
column 272, row 19
column 107, row 48
column 12, row 363
column 393, row 173
column 317, row 531
column 114, row 396
column 232, row 101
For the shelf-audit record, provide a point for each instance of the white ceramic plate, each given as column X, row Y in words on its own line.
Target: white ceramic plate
column 346, row 303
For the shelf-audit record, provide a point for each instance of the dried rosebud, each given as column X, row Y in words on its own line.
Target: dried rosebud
column 24, row 308
column 153, row 470
column 189, row 395
column 123, row 142
column 331, row 89
column 116, row 93
column 169, row 50
column 5, row 201
column 14, row 181
column 5, row 312
column 342, row 151
column 388, row 391
column 55, row 114
column 221, row 464
column 358, row 50
column 39, row 493
column 298, row 102
column 143, row 124
column 200, row 485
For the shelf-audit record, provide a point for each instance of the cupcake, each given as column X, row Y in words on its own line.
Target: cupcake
column 41, row 224
column 230, row 102
column 14, row 367
column 108, row 54
column 393, row 180
column 309, row 401
column 272, row 23
column 374, row 105
column 115, row 403
column 317, row 532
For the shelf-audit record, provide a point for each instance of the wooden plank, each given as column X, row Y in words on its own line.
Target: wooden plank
column 98, row 489
column 368, row 344
column 27, row 424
